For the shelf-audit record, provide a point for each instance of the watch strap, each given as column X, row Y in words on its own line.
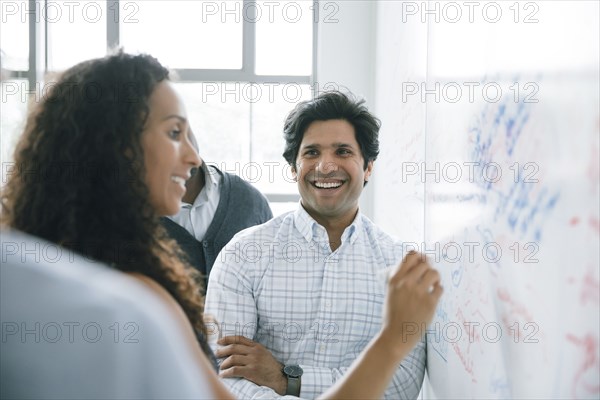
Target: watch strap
column 293, row 386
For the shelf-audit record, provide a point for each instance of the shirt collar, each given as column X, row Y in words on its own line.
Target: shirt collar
column 313, row 232
column 211, row 183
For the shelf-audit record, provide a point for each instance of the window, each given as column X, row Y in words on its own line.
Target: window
column 241, row 67
column 12, row 122
column 186, row 34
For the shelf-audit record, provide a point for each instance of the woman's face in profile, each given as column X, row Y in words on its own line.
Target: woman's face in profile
column 169, row 154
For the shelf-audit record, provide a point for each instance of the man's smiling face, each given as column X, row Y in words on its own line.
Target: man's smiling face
column 329, row 170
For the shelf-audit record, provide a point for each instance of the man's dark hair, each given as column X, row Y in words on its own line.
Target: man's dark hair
column 327, row 106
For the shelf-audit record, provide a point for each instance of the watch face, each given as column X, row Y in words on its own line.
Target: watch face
column 293, row 370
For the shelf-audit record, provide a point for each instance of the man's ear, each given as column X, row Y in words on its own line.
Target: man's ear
column 294, row 172
column 369, row 170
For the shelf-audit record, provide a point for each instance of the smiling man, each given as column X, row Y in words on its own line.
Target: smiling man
column 299, row 297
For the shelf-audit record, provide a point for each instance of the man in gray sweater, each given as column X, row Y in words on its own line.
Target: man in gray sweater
column 216, row 206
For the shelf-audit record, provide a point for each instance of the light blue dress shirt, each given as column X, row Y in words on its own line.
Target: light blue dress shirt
column 197, row 217
column 281, row 285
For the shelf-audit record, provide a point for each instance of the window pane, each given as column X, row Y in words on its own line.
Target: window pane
column 13, row 106
column 272, row 103
column 220, row 121
column 14, row 38
column 76, row 32
column 185, row 34
column 284, row 37
column 239, row 128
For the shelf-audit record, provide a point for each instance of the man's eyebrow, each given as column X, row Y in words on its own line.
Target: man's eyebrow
column 336, row 145
column 311, row 146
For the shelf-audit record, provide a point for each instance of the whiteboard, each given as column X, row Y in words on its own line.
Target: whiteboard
column 507, row 167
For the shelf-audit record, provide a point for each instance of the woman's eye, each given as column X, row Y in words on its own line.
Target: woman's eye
column 344, row 151
column 174, row 134
column 310, row 153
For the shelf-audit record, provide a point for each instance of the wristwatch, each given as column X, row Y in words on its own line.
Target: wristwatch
column 293, row 373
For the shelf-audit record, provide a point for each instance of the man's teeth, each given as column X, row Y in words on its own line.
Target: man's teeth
column 324, row 185
column 178, row 179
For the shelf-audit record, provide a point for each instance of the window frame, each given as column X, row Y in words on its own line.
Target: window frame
column 38, row 60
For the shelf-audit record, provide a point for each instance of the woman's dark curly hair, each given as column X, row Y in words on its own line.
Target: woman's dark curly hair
column 79, row 175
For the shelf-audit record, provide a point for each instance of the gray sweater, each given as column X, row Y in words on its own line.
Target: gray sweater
column 240, row 206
